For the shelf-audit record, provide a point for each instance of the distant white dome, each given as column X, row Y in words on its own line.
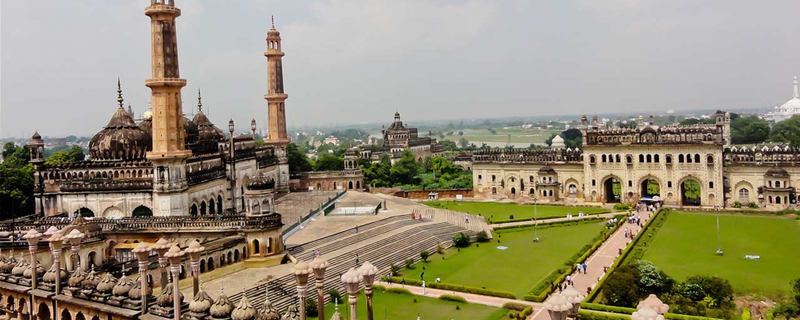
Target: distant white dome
column 789, row 108
column 147, row 114
column 558, row 142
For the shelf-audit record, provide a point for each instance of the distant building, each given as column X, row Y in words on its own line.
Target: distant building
column 558, row 142
column 788, row 109
column 398, row 138
column 331, row 140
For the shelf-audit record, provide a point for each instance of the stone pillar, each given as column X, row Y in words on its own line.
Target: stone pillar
column 175, row 255
column 318, row 266
column 142, row 252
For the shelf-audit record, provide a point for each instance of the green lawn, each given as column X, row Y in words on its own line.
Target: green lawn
column 519, row 268
column 686, row 244
column 503, row 211
column 402, row 306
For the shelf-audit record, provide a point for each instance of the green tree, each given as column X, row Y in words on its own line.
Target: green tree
column 787, row 131
column 749, row 130
column 424, row 255
column 15, row 157
column 328, row 162
column 621, row 288
column 463, row 142
column 16, row 190
column 405, row 170
column 298, row 161
column 449, row 145
column 65, row 156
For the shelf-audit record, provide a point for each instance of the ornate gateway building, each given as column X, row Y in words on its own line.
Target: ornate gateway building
column 680, row 165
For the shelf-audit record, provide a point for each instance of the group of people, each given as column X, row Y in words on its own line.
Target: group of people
column 648, row 207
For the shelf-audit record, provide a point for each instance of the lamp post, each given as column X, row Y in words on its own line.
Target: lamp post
column 654, row 303
column 194, row 251
column 175, row 255
column 368, row 272
column 535, row 221
column 318, row 266
column 233, row 168
column 575, row 298
column 161, row 247
column 56, row 243
column 75, row 237
column 253, row 127
column 33, row 237
column 301, row 272
column 351, row 279
column 557, row 307
column 142, row 252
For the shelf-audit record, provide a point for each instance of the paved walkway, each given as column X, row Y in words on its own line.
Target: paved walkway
column 603, row 257
column 471, row 298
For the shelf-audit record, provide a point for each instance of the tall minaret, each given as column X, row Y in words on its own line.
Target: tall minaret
column 276, row 122
column 796, row 91
column 169, row 152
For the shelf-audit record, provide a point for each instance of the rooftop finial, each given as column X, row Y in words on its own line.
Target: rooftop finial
column 119, row 93
column 199, row 101
column 273, row 21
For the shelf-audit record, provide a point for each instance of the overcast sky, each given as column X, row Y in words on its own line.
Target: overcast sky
column 357, row 61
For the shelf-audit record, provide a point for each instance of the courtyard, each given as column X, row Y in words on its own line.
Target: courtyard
column 407, row 306
column 516, row 264
column 496, row 212
column 686, row 245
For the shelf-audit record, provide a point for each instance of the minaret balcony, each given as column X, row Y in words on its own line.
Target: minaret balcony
column 165, row 82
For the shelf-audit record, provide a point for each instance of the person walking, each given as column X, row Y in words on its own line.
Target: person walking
column 356, row 228
column 569, row 279
column 403, row 282
column 356, row 259
column 584, row 268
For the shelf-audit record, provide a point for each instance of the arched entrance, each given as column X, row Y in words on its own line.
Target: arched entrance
column 84, row 212
column 219, row 204
column 612, row 190
column 65, row 315
column 203, row 208
column 350, row 185
column 690, row 193
column 211, row 207
column 193, row 210
column 142, row 211
column 650, row 188
column 43, row 313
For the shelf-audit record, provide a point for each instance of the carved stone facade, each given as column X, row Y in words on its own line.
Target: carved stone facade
column 626, row 165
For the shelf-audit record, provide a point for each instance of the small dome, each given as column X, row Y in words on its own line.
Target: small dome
column 208, row 135
column 777, row 172
column 244, row 311
column 36, row 136
column 91, row 280
column 648, row 129
column 188, row 126
column 260, row 182
column 165, row 298
column 121, row 139
column 268, row 312
column 136, row 291
column 547, row 170
column 221, row 308
column 108, row 283
column 39, row 270
column 123, row 286
column 50, row 275
column 20, row 267
column 76, row 278
column 201, row 302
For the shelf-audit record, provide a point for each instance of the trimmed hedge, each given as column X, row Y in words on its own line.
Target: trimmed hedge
column 398, row 290
column 602, row 307
column 454, row 298
column 544, row 219
column 546, row 225
column 588, row 315
column 456, row 287
column 378, row 287
column 516, row 306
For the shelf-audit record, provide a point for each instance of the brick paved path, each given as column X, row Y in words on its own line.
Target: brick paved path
column 603, row 257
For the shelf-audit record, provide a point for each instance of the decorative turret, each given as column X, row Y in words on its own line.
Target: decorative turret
column 223, row 307
column 200, row 305
column 268, row 312
column 244, row 311
column 36, row 146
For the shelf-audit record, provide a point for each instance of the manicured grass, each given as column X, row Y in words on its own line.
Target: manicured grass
column 687, row 242
column 497, row 212
column 517, row 269
column 402, row 306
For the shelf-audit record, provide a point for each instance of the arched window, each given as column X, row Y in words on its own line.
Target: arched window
column 769, row 182
column 680, row 158
column 711, row 184
column 219, row 204
column 142, row 211
column 777, row 184
column 203, row 208
column 649, row 158
column 770, row 199
column 604, row 158
column 710, row 159
column 778, row 200
column 592, row 159
column 629, row 159
column 256, row 247
column 641, row 158
column 744, row 195
column 212, row 209
column 689, row 158
column 669, row 159
column 656, row 159
column 618, row 158
column 697, row 158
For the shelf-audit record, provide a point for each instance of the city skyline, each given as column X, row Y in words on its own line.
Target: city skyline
column 349, row 62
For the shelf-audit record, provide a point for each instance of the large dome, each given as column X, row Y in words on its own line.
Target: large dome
column 188, row 126
column 121, row 139
column 208, row 135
